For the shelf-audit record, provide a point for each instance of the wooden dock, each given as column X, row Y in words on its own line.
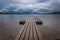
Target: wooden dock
column 29, row 30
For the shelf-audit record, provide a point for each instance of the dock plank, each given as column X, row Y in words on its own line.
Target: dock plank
column 24, row 33
column 19, row 34
column 35, row 34
column 38, row 33
column 29, row 31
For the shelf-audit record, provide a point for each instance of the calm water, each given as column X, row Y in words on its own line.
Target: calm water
column 9, row 26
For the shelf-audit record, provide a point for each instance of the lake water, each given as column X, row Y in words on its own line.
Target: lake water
column 9, row 26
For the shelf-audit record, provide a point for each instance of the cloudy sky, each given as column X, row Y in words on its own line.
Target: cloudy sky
column 38, row 6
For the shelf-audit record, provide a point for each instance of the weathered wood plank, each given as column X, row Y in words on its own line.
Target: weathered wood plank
column 29, row 31
column 24, row 33
column 38, row 33
column 31, row 34
column 35, row 34
column 19, row 34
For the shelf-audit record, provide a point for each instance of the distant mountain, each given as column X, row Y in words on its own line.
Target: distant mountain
column 48, row 13
column 15, row 10
column 55, row 12
column 27, row 12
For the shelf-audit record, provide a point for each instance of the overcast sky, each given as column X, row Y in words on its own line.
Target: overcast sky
column 40, row 6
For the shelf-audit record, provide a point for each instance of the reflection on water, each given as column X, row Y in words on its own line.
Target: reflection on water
column 9, row 25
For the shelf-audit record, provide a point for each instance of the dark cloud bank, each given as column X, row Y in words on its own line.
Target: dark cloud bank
column 45, row 7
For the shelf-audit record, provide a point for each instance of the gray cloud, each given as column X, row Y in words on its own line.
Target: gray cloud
column 55, row 4
column 50, row 6
column 46, row 7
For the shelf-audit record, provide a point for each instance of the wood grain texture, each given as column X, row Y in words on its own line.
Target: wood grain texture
column 29, row 31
